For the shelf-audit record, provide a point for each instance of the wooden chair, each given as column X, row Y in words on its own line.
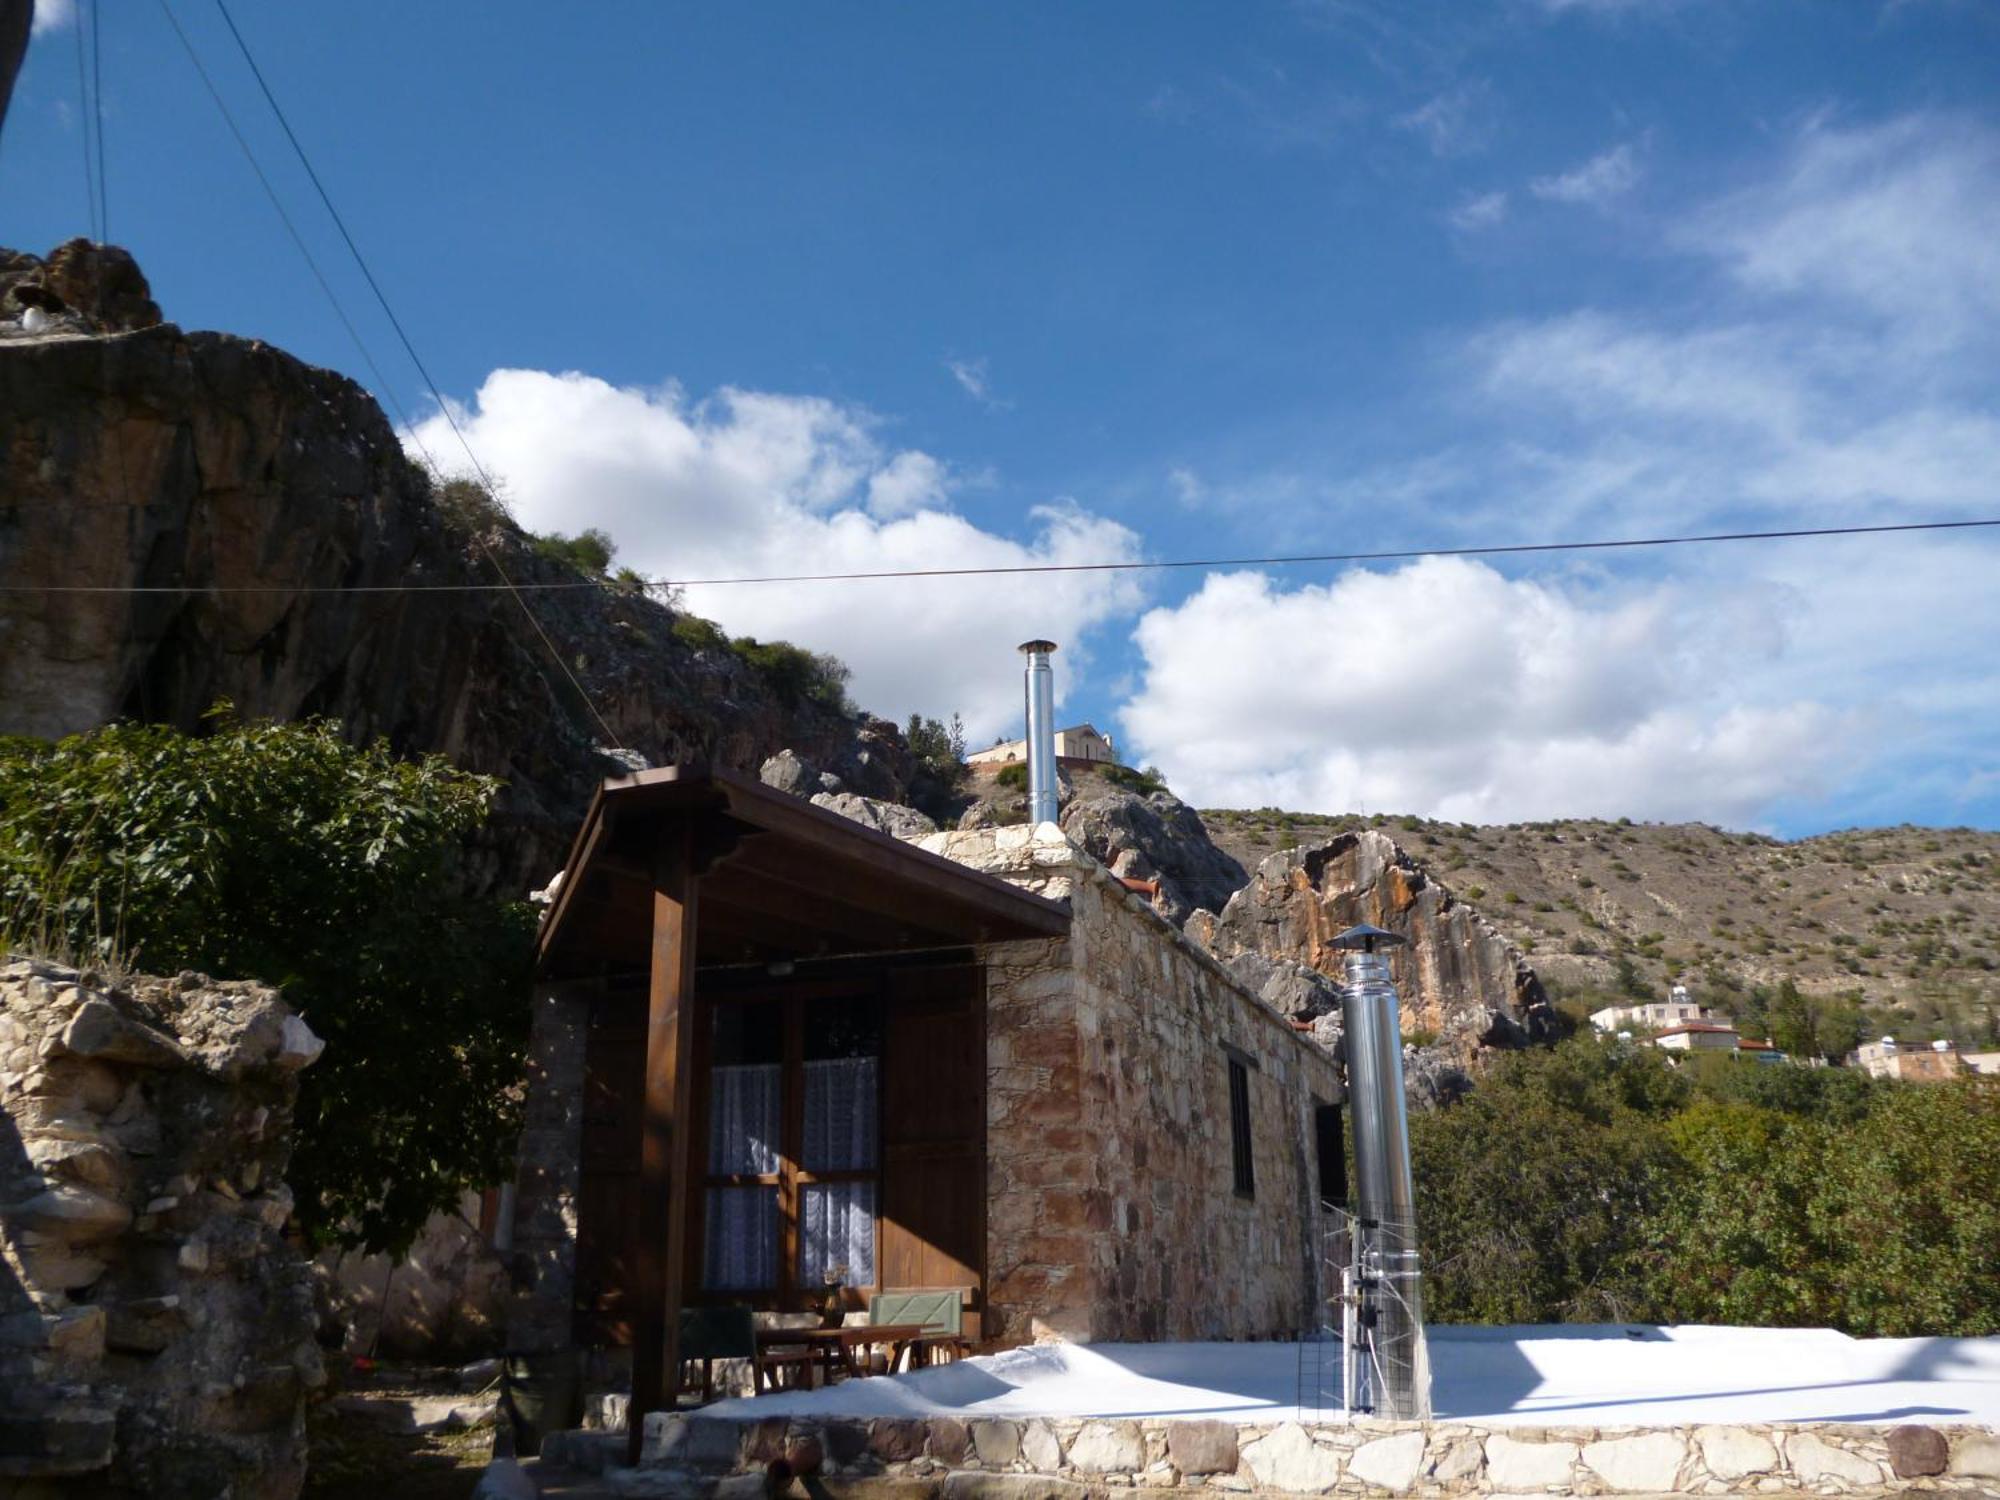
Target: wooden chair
column 940, row 1310
column 712, row 1333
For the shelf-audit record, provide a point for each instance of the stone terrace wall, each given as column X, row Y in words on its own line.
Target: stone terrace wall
column 155, row 1328
column 1112, row 1209
column 1057, row 1459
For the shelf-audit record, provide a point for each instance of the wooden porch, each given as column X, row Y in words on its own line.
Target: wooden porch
column 786, row 1060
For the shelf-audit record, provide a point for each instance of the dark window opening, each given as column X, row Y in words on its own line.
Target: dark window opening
column 1239, row 1129
column 1332, row 1144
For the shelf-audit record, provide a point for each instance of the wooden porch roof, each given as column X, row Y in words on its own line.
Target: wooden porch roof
column 779, row 878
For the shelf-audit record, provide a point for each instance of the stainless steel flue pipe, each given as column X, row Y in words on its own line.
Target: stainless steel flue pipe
column 1388, row 1273
column 1040, row 688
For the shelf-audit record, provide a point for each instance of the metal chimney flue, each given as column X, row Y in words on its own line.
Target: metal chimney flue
column 1387, row 1275
column 1040, row 688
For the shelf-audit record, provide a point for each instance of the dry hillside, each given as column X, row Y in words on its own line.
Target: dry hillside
column 1904, row 921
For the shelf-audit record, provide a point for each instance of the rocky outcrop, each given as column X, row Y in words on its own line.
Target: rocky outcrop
column 891, row 818
column 81, row 288
column 1156, row 837
column 155, row 1326
column 305, row 566
column 1462, row 984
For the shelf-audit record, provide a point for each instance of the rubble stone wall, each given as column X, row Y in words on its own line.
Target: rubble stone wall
column 156, row 1330
column 950, row 1458
column 1113, row 1211
column 549, row 1172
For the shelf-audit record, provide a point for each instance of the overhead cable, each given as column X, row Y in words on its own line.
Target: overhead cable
column 410, row 348
column 1140, row 565
column 270, row 192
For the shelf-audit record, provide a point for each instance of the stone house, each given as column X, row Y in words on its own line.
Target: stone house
column 775, row 1050
column 1912, row 1062
column 1079, row 745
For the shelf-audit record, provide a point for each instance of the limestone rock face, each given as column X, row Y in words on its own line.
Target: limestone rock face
column 1156, row 837
column 155, row 1327
column 1459, row 979
column 884, row 817
column 133, row 453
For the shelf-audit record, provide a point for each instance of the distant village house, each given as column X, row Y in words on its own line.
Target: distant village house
column 1079, row 745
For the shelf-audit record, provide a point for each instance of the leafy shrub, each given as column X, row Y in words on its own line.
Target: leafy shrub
column 1145, row 782
column 590, row 551
column 468, row 505
column 282, row 853
column 1013, row 776
column 698, row 634
column 796, row 674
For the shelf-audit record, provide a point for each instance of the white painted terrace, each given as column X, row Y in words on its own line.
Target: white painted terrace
column 1568, row 1375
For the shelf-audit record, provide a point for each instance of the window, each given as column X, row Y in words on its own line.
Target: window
column 793, row 1146
column 1239, row 1127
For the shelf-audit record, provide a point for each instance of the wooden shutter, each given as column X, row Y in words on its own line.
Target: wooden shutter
column 933, row 1209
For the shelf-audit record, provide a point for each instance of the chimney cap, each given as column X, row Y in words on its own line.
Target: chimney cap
column 1031, row 647
column 1368, row 938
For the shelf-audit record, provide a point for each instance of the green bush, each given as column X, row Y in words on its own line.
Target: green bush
column 796, row 674
column 282, row 853
column 1013, row 776
column 589, row 551
column 1145, row 782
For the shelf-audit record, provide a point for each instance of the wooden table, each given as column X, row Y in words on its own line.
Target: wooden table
column 837, row 1345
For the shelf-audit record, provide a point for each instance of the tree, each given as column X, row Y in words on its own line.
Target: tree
column 279, row 852
column 1808, row 1026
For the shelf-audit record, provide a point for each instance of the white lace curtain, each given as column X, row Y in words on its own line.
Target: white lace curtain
column 742, row 1239
column 744, row 1118
column 837, row 1220
column 840, row 1114
column 837, row 1229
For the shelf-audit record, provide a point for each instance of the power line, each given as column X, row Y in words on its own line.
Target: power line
column 97, row 108
column 410, row 349
column 340, row 312
column 1162, row 564
column 1336, row 557
column 83, row 123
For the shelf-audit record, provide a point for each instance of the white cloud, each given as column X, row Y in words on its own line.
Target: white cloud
column 1900, row 219
column 1449, row 690
column 1481, row 212
column 1187, row 487
column 1604, row 177
column 976, row 381
column 755, row 484
column 1453, row 123
column 911, row 481
column 51, row 14
column 1797, row 386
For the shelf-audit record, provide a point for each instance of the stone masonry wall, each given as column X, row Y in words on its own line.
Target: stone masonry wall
column 1112, row 1210
column 155, row 1326
column 548, row 1172
column 949, row 1458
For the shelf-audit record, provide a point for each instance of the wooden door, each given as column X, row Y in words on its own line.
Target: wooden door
column 933, row 1213
column 607, row 1232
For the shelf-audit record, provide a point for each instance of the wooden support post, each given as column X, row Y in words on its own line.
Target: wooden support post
column 665, row 1170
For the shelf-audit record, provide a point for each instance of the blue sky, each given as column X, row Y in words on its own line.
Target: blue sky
column 803, row 288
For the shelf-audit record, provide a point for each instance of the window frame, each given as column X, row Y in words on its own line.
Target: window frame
column 792, row 1177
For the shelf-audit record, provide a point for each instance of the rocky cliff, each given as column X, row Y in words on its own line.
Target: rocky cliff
column 250, row 529
column 1464, row 987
